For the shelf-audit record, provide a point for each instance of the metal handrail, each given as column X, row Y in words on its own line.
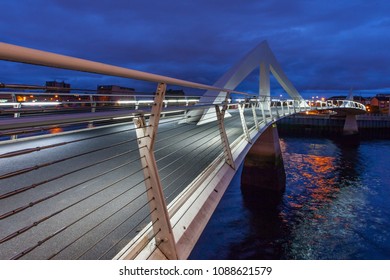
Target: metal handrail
column 16, row 53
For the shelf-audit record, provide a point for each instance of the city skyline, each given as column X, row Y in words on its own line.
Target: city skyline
column 333, row 46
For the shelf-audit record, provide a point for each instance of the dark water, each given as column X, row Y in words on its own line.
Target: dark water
column 336, row 206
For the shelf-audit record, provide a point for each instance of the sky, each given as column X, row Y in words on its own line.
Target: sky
column 323, row 46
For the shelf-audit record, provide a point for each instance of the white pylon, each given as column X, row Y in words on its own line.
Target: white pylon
column 260, row 55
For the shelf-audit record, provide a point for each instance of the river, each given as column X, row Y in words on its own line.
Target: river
column 336, row 206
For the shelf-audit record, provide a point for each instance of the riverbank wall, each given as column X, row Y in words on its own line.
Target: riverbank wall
column 370, row 126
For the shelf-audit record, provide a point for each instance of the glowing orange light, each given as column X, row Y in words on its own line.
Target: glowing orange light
column 55, row 130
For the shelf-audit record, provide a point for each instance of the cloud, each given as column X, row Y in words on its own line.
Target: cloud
column 320, row 44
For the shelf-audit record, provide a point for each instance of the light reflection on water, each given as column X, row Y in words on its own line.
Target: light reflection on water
column 336, row 206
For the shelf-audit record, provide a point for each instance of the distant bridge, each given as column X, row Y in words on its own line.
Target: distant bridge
column 129, row 177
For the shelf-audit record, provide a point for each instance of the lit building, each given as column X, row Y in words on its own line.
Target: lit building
column 380, row 103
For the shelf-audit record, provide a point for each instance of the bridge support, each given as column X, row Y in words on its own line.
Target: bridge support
column 350, row 131
column 350, row 126
column 263, row 166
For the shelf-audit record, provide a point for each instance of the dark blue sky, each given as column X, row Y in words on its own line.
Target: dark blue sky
column 321, row 45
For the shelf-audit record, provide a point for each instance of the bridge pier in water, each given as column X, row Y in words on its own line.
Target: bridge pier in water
column 263, row 165
column 350, row 125
column 351, row 135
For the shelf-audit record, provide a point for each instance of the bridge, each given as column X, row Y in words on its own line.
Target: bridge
column 129, row 177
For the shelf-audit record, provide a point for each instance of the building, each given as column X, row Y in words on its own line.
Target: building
column 380, row 103
column 57, row 87
column 113, row 89
column 114, row 93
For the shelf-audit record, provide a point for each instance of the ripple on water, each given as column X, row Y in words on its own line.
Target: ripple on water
column 336, row 206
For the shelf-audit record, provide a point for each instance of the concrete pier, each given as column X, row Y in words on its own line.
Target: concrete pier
column 263, row 166
column 350, row 125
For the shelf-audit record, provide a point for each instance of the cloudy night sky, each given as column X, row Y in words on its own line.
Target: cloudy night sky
column 321, row 45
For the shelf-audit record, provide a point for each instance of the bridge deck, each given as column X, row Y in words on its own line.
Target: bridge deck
column 79, row 209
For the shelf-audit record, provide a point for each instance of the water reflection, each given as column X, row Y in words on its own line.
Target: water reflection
column 322, row 221
column 266, row 228
column 335, row 207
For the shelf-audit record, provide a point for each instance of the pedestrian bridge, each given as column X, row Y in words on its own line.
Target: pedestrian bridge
column 91, row 176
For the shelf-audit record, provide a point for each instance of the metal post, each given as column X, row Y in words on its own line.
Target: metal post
column 281, row 104
column 255, row 116
column 222, row 132
column 93, row 103
column 262, row 111
column 16, row 106
column 288, row 107
column 93, row 108
column 270, row 109
column 294, row 108
column 146, row 136
column 243, row 122
column 16, row 114
column 277, row 111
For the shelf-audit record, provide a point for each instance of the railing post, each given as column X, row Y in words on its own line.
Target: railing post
column 281, row 104
column 262, row 111
column 255, row 116
column 17, row 106
column 93, row 108
column 93, row 103
column 222, row 132
column 146, row 135
column 288, row 107
column 16, row 114
column 303, row 105
column 270, row 111
column 243, row 122
column 277, row 111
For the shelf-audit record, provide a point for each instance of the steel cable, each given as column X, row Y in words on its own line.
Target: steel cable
column 117, row 226
column 39, row 243
column 20, row 190
column 136, row 239
column 18, row 232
